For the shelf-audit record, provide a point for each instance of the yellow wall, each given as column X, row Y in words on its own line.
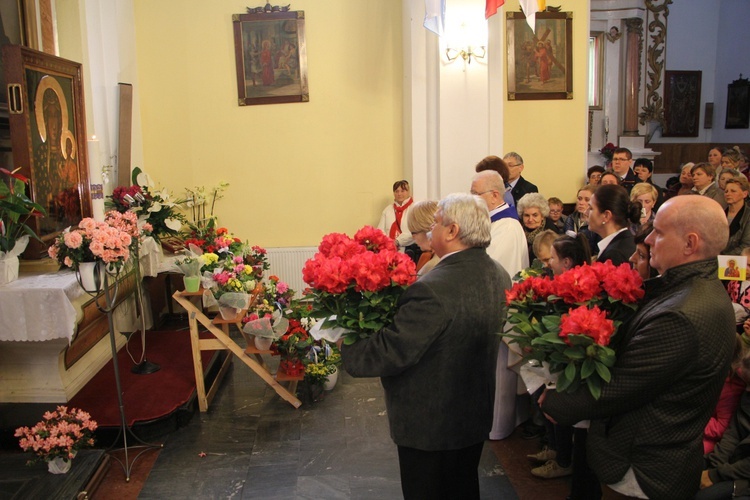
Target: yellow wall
column 551, row 136
column 296, row 171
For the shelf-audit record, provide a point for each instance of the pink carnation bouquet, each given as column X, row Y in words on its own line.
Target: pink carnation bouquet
column 356, row 282
column 566, row 324
column 61, row 433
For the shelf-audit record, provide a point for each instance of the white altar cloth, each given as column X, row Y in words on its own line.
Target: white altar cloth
column 39, row 307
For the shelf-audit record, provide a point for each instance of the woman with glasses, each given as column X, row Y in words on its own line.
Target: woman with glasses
column 420, row 220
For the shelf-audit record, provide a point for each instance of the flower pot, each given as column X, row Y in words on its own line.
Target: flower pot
column 229, row 313
column 332, row 379
column 59, row 465
column 90, row 273
column 263, row 343
column 292, row 367
column 192, row 283
column 8, row 270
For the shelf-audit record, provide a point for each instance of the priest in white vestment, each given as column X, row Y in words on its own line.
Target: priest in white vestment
column 509, row 248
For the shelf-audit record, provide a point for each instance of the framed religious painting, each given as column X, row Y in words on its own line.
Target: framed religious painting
column 48, row 138
column 271, row 56
column 682, row 103
column 540, row 63
column 738, row 104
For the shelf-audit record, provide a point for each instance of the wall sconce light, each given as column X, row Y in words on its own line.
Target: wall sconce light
column 466, row 53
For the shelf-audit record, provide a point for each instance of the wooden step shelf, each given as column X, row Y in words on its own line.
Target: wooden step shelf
column 219, row 329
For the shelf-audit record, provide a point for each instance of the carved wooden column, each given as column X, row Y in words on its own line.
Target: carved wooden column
column 634, row 41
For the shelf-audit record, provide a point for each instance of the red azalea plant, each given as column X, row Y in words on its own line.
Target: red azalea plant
column 359, row 280
column 569, row 321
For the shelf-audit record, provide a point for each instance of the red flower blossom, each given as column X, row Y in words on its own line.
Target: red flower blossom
column 373, row 239
column 623, row 284
column 577, row 285
column 590, row 322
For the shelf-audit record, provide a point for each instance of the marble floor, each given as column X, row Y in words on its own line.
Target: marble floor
column 252, row 444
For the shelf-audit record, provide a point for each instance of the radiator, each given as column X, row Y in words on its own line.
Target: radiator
column 287, row 264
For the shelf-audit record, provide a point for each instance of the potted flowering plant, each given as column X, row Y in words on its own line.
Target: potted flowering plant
column 321, row 364
column 57, row 437
column 93, row 242
column 564, row 326
column 15, row 210
column 191, row 268
column 198, row 200
column 293, row 346
column 356, row 282
column 154, row 208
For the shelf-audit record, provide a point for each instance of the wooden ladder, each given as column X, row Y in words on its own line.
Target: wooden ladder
column 222, row 341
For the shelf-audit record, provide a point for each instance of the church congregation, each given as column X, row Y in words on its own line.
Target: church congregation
column 676, row 394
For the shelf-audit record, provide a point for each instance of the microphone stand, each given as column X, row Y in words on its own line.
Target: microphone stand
column 110, row 296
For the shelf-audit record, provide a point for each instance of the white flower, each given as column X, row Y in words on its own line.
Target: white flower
column 173, row 224
column 144, row 179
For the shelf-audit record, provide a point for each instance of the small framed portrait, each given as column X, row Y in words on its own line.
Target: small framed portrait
column 271, row 57
column 732, row 267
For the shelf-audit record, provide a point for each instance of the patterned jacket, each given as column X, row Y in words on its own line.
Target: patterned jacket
column 671, row 364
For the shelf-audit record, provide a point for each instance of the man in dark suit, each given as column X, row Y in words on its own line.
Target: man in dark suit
column 646, row 433
column 437, row 359
column 622, row 160
column 519, row 186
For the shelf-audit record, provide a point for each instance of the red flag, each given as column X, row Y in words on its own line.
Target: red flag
column 491, row 8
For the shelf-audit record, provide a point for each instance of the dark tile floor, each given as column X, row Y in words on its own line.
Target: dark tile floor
column 258, row 446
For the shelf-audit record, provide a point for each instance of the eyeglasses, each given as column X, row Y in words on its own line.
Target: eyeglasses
column 555, row 211
column 512, row 165
column 483, row 192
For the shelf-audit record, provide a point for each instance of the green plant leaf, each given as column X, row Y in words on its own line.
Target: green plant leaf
column 595, row 387
column 574, row 353
column 588, row 367
column 570, row 371
column 603, row 371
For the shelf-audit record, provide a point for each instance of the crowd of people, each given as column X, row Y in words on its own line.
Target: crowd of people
column 673, row 422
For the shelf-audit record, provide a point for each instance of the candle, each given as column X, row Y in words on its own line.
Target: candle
column 95, row 179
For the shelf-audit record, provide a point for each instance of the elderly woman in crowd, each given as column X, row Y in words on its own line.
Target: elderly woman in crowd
column 533, row 211
column 738, row 215
column 724, row 175
column 647, row 195
column 684, row 184
column 703, row 183
column 419, row 220
column 610, row 216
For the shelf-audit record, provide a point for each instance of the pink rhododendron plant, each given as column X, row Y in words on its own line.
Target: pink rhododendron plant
column 61, row 433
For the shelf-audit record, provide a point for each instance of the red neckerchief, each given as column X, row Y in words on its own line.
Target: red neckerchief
column 399, row 211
